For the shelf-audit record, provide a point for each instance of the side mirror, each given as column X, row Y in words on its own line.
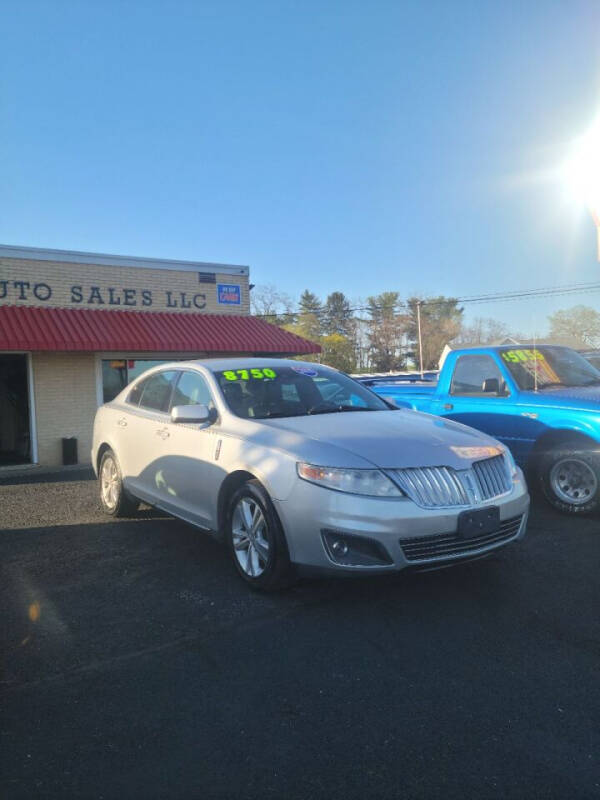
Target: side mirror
column 491, row 386
column 191, row 414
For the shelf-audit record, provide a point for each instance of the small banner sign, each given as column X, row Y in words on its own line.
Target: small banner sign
column 228, row 294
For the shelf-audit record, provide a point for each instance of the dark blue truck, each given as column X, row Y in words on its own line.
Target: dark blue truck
column 542, row 402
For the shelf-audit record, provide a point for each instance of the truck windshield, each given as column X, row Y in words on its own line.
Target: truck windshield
column 545, row 366
column 255, row 391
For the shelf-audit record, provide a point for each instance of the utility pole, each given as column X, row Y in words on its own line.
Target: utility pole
column 419, row 304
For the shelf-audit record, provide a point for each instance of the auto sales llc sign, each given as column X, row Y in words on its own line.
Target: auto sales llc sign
column 79, row 294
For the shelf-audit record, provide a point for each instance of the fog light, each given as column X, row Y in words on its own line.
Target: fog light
column 351, row 550
column 339, row 547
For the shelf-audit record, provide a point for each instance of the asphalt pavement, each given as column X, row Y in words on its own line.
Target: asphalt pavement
column 136, row 664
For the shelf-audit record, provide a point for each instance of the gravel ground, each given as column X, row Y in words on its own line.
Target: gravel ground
column 136, row 664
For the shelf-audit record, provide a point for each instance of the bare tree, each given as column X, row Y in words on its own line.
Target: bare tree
column 273, row 306
column 483, row 330
column 580, row 325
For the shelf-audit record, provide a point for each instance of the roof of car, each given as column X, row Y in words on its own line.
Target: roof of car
column 240, row 362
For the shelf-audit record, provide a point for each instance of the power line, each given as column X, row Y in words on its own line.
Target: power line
column 494, row 297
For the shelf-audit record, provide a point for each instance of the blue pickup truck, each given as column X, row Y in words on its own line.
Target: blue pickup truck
column 543, row 403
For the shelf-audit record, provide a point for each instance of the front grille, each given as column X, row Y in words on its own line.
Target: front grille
column 425, row 548
column 492, row 477
column 442, row 487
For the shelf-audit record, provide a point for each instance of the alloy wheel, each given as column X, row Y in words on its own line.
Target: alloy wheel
column 249, row 535
column 109, row 478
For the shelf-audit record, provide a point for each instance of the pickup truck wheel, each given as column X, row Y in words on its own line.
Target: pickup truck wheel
column 570, row 480
column 115, row 500
column 256, row 540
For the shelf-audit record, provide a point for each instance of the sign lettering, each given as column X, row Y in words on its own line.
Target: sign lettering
column 228, row 294
column 79, row 294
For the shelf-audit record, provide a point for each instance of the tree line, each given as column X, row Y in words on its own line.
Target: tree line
column 380, row 334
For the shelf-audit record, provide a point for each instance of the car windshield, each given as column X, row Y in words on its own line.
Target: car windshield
column 544, row 367
column 259, row 392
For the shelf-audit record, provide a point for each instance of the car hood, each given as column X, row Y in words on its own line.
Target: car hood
column 587, row 397
column 386, row 439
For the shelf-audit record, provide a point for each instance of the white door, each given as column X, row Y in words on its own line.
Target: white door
column 191, row 473
column 147, row 436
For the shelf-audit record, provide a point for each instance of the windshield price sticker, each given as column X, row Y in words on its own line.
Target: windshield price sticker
column 520, row 356
column 249, row 374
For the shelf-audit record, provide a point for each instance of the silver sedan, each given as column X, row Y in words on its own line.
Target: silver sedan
column 297, row 467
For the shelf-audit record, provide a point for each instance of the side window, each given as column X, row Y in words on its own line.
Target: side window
column 470, row 374
column 191, row 390
column 136, row 393
column 157, row 391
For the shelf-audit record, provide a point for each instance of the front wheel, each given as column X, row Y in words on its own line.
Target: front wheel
column 256, row 540
column 570, row 480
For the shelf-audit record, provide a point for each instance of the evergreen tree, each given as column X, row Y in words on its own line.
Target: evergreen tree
column 386, row 328
column 310, row 317
column 338, row 315
column 310, row 303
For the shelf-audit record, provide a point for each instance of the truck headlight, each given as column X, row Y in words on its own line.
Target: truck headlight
column 369, row 482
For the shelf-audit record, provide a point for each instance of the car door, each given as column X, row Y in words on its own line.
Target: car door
column 148, row 436
column 190, row 473
column 124, row 421
column 492, row 412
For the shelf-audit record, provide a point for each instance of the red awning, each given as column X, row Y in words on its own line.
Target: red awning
column 85, row 330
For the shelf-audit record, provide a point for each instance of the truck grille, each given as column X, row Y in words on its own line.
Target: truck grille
column 425, row 548
column 443, row 487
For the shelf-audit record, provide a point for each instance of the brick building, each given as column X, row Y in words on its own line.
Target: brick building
column 75, row 328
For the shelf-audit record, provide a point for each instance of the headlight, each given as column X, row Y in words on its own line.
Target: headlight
column 370, row 482
column 512, row 466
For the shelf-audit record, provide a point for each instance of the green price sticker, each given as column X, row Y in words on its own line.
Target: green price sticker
column 522, row 356
column 249, row 374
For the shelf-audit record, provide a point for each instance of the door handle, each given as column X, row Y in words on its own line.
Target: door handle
column 448, row 406
column 122, row 422
column 163, row 433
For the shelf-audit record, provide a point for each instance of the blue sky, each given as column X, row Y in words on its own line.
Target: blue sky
column 360, row 146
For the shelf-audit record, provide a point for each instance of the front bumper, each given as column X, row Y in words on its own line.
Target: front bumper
column 407, row 533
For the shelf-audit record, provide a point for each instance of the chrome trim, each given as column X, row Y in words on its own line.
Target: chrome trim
column 428, row 549
column 444, row 487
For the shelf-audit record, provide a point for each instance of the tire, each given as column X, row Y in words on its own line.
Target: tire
column 569, row 478
column 255, row 539
column 116, row 502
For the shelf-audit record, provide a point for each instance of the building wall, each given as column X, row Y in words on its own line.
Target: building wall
column 65, row 384
column 66, row 396
column 65, row 403
column 56, row 283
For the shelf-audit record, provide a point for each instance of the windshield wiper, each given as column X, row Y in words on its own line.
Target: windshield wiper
column 551, row 383
column 332, row 408
column 278, row 414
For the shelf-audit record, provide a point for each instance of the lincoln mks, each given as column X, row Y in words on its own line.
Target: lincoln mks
column 298, row 468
